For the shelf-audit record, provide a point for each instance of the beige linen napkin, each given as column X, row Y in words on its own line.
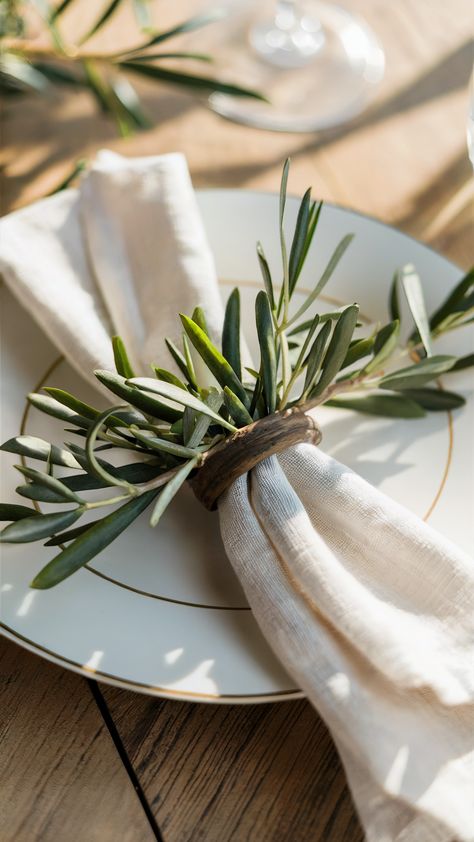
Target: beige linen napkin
column 369, row 609
column 122, row 255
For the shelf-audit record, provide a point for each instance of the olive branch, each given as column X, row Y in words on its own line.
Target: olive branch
column 31, row 65
column 167, row 424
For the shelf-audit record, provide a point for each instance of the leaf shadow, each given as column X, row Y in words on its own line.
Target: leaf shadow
column 348, row 438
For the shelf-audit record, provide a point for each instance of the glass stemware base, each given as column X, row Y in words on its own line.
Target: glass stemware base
column 315, row 62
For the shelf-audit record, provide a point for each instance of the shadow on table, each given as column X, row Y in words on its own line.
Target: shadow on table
column 448, row 75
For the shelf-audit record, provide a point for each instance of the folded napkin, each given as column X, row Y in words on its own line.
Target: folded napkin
column 124, row 255
column 371, row 611
column 366, row 606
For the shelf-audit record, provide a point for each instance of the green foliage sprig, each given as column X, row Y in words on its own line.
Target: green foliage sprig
column 168, row 423
column 26, row 65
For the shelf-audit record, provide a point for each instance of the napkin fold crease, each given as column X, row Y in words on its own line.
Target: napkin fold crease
column 368, row 608
column 384, row 658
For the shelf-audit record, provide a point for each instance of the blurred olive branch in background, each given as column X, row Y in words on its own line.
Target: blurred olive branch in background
column 35, row 65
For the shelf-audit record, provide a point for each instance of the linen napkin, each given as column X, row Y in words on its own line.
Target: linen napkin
column 369, row 609
column 124, row 254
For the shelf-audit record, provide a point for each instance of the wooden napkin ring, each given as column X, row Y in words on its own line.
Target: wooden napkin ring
column 250, row 445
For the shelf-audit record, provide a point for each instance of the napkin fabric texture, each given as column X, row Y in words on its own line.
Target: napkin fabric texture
column 368, row 608
column 124, row 255
column 371, row 612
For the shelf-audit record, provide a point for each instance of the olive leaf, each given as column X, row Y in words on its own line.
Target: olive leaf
column 414, row 295
column 264, row 322
column 40, row 493
column 168, row 390
column 315, row 357
column 74, row 404
column 127, row 106
column 22, row 75
column 199, row 317
column 92, row 542
column 135, row 473
column 390, row 406
column 463, row 362
column 202, row 83
column 266, row 274
column 144, row 402
column 106, row 14
column 33, row 447
column 169, row 377
column 190, row 25
column 189, row 362
column 178, row 357
column 231, row 332
column 393, row 300
column 122, row 362
column 285, row 291
column 299, row 240
column 39, row 526
column 314, row 215
column 49, row 482
column 123, row 417
column 60, row 9
column 454, row 300
column 236, row 408
column 337, row 348
column 52, row 407
column 205, row 57
column 189, row 420
column 283, row 190
column 163, row 445
column 10, row 511
column 418, row 374
column 435, row 400
column 215, row 361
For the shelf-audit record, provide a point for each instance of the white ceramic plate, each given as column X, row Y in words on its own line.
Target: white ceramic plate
column 160, row 611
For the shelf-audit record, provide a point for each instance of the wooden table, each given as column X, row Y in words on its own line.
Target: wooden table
column 85, row 762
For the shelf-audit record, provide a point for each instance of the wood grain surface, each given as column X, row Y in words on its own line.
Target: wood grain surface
column 114, row 765
column 259, row 773
column 61, row 777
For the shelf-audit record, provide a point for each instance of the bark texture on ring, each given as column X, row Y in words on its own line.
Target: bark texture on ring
column 246, row 448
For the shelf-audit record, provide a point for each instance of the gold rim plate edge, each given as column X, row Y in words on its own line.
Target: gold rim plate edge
column 141, row 687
